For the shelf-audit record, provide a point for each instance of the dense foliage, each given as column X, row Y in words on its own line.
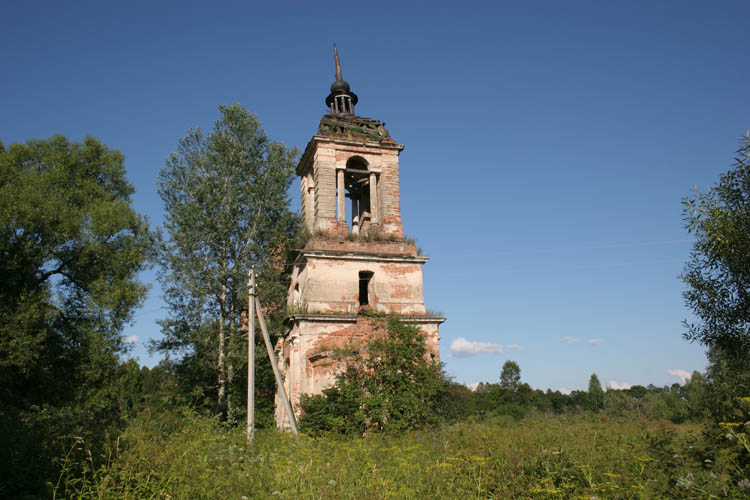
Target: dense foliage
column 718, row 280
column 70, row 252
column 391, row 385
column 226, row 208
column 392, row 426
column 182, row 456
column 718, row 273
column 678, row 403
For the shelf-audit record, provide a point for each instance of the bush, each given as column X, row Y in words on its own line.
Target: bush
column 390, row 386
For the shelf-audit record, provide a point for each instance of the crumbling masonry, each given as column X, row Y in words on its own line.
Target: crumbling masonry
column 356, row 260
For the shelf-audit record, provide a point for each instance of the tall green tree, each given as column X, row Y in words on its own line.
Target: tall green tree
column 596, row 393
column 226, row 207
column 718, row 272
column 70, row 252
column 510, row 376
column 718, row 280
column 71, row 247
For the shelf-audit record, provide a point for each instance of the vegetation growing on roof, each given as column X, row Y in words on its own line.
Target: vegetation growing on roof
column 353, row 126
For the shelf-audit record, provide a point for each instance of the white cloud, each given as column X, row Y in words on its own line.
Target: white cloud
column 565, row 390
column 464, row 348
column 595, row 341
column 570, row 340
column 617, row 386
column 473, row 386
column 683, row 375
column 133, row 339
column 513, row 347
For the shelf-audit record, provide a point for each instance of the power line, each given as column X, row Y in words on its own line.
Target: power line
column 569, row 268
column 566, row 249
column 531, row 252
column 540, row 251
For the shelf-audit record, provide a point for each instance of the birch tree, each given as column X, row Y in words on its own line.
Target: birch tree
column 226, row 206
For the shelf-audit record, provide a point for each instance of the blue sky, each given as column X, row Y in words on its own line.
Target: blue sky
column 548, row 145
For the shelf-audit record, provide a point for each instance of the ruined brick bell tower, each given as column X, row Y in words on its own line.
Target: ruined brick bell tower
column 356, row 260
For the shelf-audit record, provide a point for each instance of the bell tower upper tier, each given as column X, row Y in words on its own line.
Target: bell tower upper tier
column 349, row 171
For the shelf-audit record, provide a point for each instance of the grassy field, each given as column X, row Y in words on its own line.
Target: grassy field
column 186, row 456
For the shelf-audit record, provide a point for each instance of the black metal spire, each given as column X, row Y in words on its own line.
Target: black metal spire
column 341, row 100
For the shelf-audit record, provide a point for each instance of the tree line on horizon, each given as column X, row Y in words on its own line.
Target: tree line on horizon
column 73, row 246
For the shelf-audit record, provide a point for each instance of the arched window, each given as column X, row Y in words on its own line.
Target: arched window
column 357, row 183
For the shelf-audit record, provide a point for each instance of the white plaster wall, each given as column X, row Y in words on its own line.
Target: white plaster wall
column 332, row 285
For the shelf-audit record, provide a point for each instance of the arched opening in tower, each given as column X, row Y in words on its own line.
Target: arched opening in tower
column 357, row 184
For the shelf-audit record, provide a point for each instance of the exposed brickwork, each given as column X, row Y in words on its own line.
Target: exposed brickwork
column 315, row 351
column 327, row 287
column 362, row 246
column 399, row 271
column 324, row 155
column 330, row 283
column 401, row 291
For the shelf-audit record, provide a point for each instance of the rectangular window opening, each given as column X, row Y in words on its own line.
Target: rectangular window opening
column 364, row 285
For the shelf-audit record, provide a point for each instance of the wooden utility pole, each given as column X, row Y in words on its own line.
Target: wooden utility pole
column 274, row 365
column 254, row 309
column 251, row 356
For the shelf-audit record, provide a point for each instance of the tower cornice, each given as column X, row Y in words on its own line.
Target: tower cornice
column 308, row 155
column 352, row 318
column 362, row 256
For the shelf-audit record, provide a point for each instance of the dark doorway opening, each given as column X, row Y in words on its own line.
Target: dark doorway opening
column 364, row 285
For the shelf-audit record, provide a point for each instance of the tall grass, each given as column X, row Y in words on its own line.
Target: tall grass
column 186, row 456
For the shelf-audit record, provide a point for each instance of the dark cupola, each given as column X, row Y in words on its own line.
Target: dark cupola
column 341, row 100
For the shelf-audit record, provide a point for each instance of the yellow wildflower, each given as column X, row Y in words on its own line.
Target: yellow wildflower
column 553, row 491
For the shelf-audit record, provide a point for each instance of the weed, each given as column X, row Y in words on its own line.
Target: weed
column 185, row 455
